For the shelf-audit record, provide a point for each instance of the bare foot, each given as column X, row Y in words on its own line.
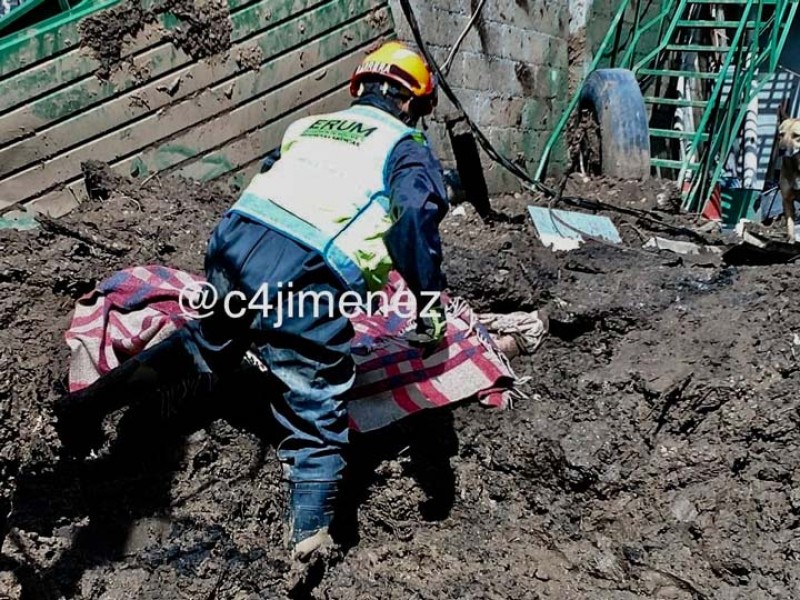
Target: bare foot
column 507, row 346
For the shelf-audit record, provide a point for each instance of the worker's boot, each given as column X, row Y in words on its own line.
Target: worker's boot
column 310, row 513
column 165, row 372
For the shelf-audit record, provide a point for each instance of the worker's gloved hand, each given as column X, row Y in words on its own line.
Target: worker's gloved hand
column 431, row 329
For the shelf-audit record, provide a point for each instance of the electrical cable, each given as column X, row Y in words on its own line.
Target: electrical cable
column 448, row 61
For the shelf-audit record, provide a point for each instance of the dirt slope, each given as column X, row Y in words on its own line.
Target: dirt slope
column 657, row 456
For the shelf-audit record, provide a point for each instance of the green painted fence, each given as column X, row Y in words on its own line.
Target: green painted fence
column 161, row 110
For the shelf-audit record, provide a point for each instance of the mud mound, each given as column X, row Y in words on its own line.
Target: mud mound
column 205, row 28
column 656, row 456
column 43, row 272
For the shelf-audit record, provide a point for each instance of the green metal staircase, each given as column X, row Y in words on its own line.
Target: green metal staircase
column 672, row 42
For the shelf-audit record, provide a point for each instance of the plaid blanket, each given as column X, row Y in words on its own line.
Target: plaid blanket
column 138, row 307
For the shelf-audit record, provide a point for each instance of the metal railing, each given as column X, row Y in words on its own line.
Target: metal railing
column 754, row 67
column 749, row 61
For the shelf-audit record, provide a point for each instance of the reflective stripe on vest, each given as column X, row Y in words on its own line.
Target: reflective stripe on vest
column 329, row 190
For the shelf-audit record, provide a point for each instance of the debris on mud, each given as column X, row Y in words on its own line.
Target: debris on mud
column 583, row 143
column 577, row 56
column 204, row 29
column 582, row 131
column 107, row 32
column 656, row 456
column 250, row 57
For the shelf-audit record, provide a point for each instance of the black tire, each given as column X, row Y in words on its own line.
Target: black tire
column 615, row 97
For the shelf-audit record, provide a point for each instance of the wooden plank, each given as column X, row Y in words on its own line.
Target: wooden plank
column 89, row 91
column 219, row 132
column 79, row 62
column 241, row 152
column 60, row 202
column 161, row 92
column 214, row 101
column 244, row 155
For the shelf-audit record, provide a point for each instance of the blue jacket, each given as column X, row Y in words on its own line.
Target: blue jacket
column 418, row 204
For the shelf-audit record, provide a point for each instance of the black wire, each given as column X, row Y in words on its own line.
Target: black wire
column 445, row 86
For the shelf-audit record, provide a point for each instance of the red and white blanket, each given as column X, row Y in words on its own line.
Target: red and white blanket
column 138, row 307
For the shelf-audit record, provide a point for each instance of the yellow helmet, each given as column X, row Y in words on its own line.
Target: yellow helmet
column 396, row 62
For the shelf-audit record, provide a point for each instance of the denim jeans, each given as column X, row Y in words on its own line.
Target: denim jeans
column 302, row 338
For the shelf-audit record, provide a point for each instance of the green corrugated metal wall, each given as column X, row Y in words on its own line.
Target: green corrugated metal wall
column 212, row 119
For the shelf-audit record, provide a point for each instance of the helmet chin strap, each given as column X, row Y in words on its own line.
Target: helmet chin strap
column 393, row 94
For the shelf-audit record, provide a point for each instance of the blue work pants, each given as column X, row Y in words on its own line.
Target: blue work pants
column 295, row 326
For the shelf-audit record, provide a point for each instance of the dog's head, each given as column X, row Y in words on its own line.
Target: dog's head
column 789, row 144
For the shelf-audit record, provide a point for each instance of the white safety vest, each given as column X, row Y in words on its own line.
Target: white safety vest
column 329, row 190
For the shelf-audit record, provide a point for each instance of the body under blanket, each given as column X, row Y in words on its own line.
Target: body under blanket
column 137, row 307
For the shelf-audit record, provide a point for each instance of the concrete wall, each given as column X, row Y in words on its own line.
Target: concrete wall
column 511, row 74
column 579, row 14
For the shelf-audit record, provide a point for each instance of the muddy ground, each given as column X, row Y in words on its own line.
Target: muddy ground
column 657, row 455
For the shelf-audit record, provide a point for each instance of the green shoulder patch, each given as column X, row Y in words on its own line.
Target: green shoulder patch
column 420, row 138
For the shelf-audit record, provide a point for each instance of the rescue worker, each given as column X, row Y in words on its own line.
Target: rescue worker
column 346, row 198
